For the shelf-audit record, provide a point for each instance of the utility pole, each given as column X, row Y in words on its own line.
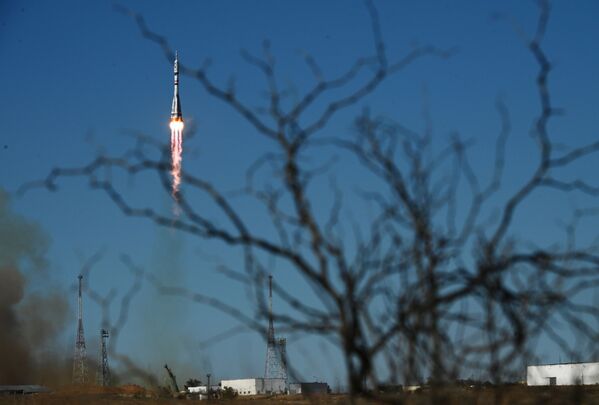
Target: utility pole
column 208, row 386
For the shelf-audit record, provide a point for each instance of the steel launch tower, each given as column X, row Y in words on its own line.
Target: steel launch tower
column 276, row 351
column 79, row 366
column 103, row 376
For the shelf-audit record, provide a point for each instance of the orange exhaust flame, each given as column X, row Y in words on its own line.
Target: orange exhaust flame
column 176, row 126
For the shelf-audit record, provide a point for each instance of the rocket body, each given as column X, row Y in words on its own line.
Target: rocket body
column 176, row 114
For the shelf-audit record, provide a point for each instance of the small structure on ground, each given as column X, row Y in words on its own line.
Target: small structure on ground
column 308, row 388
column 22, row 389
column 202, row 389
column 563, row 374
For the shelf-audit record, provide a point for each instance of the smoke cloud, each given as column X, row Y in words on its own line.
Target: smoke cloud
column 30, row 322
column 169, row 345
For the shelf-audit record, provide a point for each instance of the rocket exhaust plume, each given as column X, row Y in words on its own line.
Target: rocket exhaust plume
column 176, row 126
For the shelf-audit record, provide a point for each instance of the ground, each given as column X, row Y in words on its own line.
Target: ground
column 132, row 394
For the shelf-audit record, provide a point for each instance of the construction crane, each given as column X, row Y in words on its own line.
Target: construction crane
column 173, row 379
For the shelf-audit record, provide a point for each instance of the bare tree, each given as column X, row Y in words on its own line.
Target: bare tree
column 418, row 290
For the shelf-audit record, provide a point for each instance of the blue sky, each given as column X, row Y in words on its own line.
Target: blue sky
column 75, row 75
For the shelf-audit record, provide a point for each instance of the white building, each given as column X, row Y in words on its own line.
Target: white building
column 256, row 386
column 563, row 374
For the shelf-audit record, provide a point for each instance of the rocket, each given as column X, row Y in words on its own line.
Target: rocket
column 176, row 114
column 176, row 125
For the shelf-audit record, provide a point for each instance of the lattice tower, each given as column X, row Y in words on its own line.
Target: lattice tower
column 79, row 359
column 276, row 357
column 103, row 376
